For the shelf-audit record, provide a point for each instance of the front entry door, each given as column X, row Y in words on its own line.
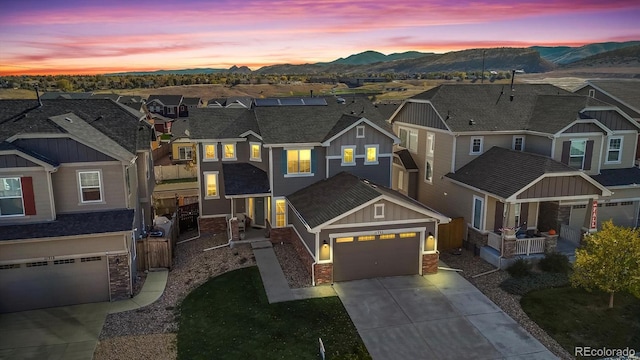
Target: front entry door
column 258, row 204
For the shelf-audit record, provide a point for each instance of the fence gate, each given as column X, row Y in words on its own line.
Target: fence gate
column 450, row 235
column 188, row 217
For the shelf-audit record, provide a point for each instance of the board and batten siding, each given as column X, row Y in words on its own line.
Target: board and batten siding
column 308, row 238
column 584, row 128
column 556, row 186
column 41, row 196
column 392, row 212
column 371, row 137
column 66, row 188
column 15, row 161
column 63, row 150
column 611, row 119
column 62, row 247
column 422, row 114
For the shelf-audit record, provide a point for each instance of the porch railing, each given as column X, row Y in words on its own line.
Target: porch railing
column 572, row 234
column 529, row 246
column 495, row 241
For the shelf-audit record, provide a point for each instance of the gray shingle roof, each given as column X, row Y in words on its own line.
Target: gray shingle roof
column 551, row 113
column 72, row 224
column 627, row 91
column 618, row 177
column 244, row 179
column 191, row 101
column 504, row 172
column 108, row 117
column 166, row 99
column 209, row 123
column 407, row 160
column 65, row 95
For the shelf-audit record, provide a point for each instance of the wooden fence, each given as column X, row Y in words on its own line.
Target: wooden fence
column 450, row 235
column 161, row 152
column 157, row 252
column 170, row 172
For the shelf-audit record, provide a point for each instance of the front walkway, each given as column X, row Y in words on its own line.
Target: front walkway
column 68, row 332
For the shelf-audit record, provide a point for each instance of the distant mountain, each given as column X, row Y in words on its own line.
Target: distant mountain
column 233, row 69
column 566, row 55
column 624, row 57
column 372, row 57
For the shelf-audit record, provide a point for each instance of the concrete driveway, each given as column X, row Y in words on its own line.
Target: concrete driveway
column 440, row 316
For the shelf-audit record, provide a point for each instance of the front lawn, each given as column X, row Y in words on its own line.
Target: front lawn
column 575, row 317
column 229, row 317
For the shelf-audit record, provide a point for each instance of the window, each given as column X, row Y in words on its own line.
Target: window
column 348, row 155
column 211, row 185
column 366, row 238
column 518, row 143
column 210, row 152
column 428, row 171
column 255, row 151
column 431, row 144
column 344, row 239
column 408, row 235
column 577, row 153
column 359, row 131
column 299, row 161
column 185, row 152
column 127, row 179
column 378, row 211
column 387, row 236
column 11, row 197
column 148, row 162
column 281, row 212
column 476, row 145
column 592, row 93
column 409, row 139
column 90, row 186
column 614, row 150
column 371, row 154
column 401, row 180
column 478, row 208
column 229, row 151
column 517, row 214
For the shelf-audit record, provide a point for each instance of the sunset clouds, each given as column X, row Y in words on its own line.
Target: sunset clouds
column 71, row 36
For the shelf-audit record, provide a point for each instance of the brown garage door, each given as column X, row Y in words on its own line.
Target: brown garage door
column 52, row 283
column 358, row 259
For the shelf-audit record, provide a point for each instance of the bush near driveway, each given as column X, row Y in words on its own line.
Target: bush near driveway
column 229, row 317
column 534, row 281
column 575, row 317
column 555, row 263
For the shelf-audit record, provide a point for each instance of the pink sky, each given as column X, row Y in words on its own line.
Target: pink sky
column 89, row 37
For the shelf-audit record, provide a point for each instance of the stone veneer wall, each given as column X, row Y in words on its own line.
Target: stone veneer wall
column 323, row 273
column 430, row 263
column 279, row 235
column 213, row 225
column 119, row 277
column 475, row 237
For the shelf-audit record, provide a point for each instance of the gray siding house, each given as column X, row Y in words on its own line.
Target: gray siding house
column 76, row 192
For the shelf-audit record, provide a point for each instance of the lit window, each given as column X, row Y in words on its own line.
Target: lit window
column 518, row 143
column 211, row 184
column 185, row 152
column 371, row 154
column 256, row 153
column 229, row 151
column 348, row 155
column 408, row 235
column 378, row 211
column 281, row 213
column 90, row 187
column 11, row 197
column 614, row 151
column 476, row 145
column 360, row 131
column 210, row 152
column 344, row 239
column 577, row 153
column 387, row 236
column 299, row 161
column 366, row 238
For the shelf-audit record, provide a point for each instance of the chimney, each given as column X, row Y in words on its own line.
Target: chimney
column 311, row 92
column 38, row 95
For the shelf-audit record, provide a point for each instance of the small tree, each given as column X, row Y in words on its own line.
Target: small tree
column 609, row 261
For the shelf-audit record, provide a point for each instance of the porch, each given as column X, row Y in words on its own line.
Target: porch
column 493, row 256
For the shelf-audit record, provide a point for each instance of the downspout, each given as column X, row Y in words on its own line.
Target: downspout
column 228, row 242
column 193, row 238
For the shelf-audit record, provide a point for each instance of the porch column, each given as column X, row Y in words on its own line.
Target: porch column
column 508, row 243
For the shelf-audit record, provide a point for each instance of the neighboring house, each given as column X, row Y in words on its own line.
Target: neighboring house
column 161, row 124
column 237, row 102
column 535, row 161
column 192, row 102
column 170, row 106
column 182, row 148
column 318, row 176
column 77, row 179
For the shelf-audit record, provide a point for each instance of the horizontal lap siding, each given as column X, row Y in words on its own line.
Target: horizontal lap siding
column 41, row 196
column 62, row 247
column 66, row 188
column 283, row 186
column 379, row 173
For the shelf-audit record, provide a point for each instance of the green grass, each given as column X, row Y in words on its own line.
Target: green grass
column 575, row 317
column 229, row 317
column 176, row 181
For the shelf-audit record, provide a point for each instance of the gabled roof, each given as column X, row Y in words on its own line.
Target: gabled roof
column 166, row 100
column 244, row 179
column 26, row 117
column 328, row 199
column 191, row 101
column 619, row 177
column 551, row 113
column 72, row 224
column 180, row 128
column 626, row 91
column 504, row 172
column 407, row 160
column 245, row 122
column 114, row 97
column 208, row 123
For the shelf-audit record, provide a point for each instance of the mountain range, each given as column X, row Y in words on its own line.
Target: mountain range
column 532, row 59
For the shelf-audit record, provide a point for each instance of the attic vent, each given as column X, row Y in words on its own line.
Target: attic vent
column 472, row 122
column 68, row 119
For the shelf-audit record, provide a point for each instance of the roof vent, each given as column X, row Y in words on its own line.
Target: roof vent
column 472, row 122
column 68, row 119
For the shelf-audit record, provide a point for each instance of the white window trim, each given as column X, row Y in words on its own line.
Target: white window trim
column 607, row 161
column 251, row 145
column 428, row 181
column 409, row 131
column 481, row 138
column 473, row 212
column 185, row 158
column 300, row 174
column 358, row 129
column 82, row 202
column 592, row 93
column 513, row 142
column 431, row 139
column 378, row 211
column 205, row 175
column 275, row 212
column 342, row 149
column 235, row 152
column 14, row 197
column 215, row 152
column 366, row 150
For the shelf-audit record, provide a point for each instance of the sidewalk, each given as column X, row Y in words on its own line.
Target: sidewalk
column 151, row 291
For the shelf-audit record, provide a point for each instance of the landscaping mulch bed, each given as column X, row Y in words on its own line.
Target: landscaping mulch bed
column 297, row 274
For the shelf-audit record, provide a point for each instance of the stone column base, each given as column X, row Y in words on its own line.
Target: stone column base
column 430, row 263
column 119, row 277
column 550, row 243
column 213, row 225
column 323, row 273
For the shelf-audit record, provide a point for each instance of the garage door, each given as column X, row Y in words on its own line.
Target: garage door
column 363, row 257
column 52, row 283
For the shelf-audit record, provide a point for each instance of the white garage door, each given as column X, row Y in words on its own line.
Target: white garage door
column 52, row 283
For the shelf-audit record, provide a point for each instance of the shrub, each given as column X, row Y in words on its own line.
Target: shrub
column 555, row 263
column 519, row 268
column 522, row 285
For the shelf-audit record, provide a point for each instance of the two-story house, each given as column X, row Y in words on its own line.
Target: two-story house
column 76, row 179
column 535, row 158
column 316, row 172
column 170, row 106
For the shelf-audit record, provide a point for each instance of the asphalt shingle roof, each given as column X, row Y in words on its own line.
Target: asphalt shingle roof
column 551, row 113
column 406, row 159
column 72, row 224
column 618, row 177
column 191, row 101
column 625, row 90
column 504, row 172
column 244, row 179
column 166, row 99
column 65, row 95
column 209, row 123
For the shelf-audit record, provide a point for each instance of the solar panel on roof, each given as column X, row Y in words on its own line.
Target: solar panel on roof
column 291, row 101
column 267, row 102
column 315, row 101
